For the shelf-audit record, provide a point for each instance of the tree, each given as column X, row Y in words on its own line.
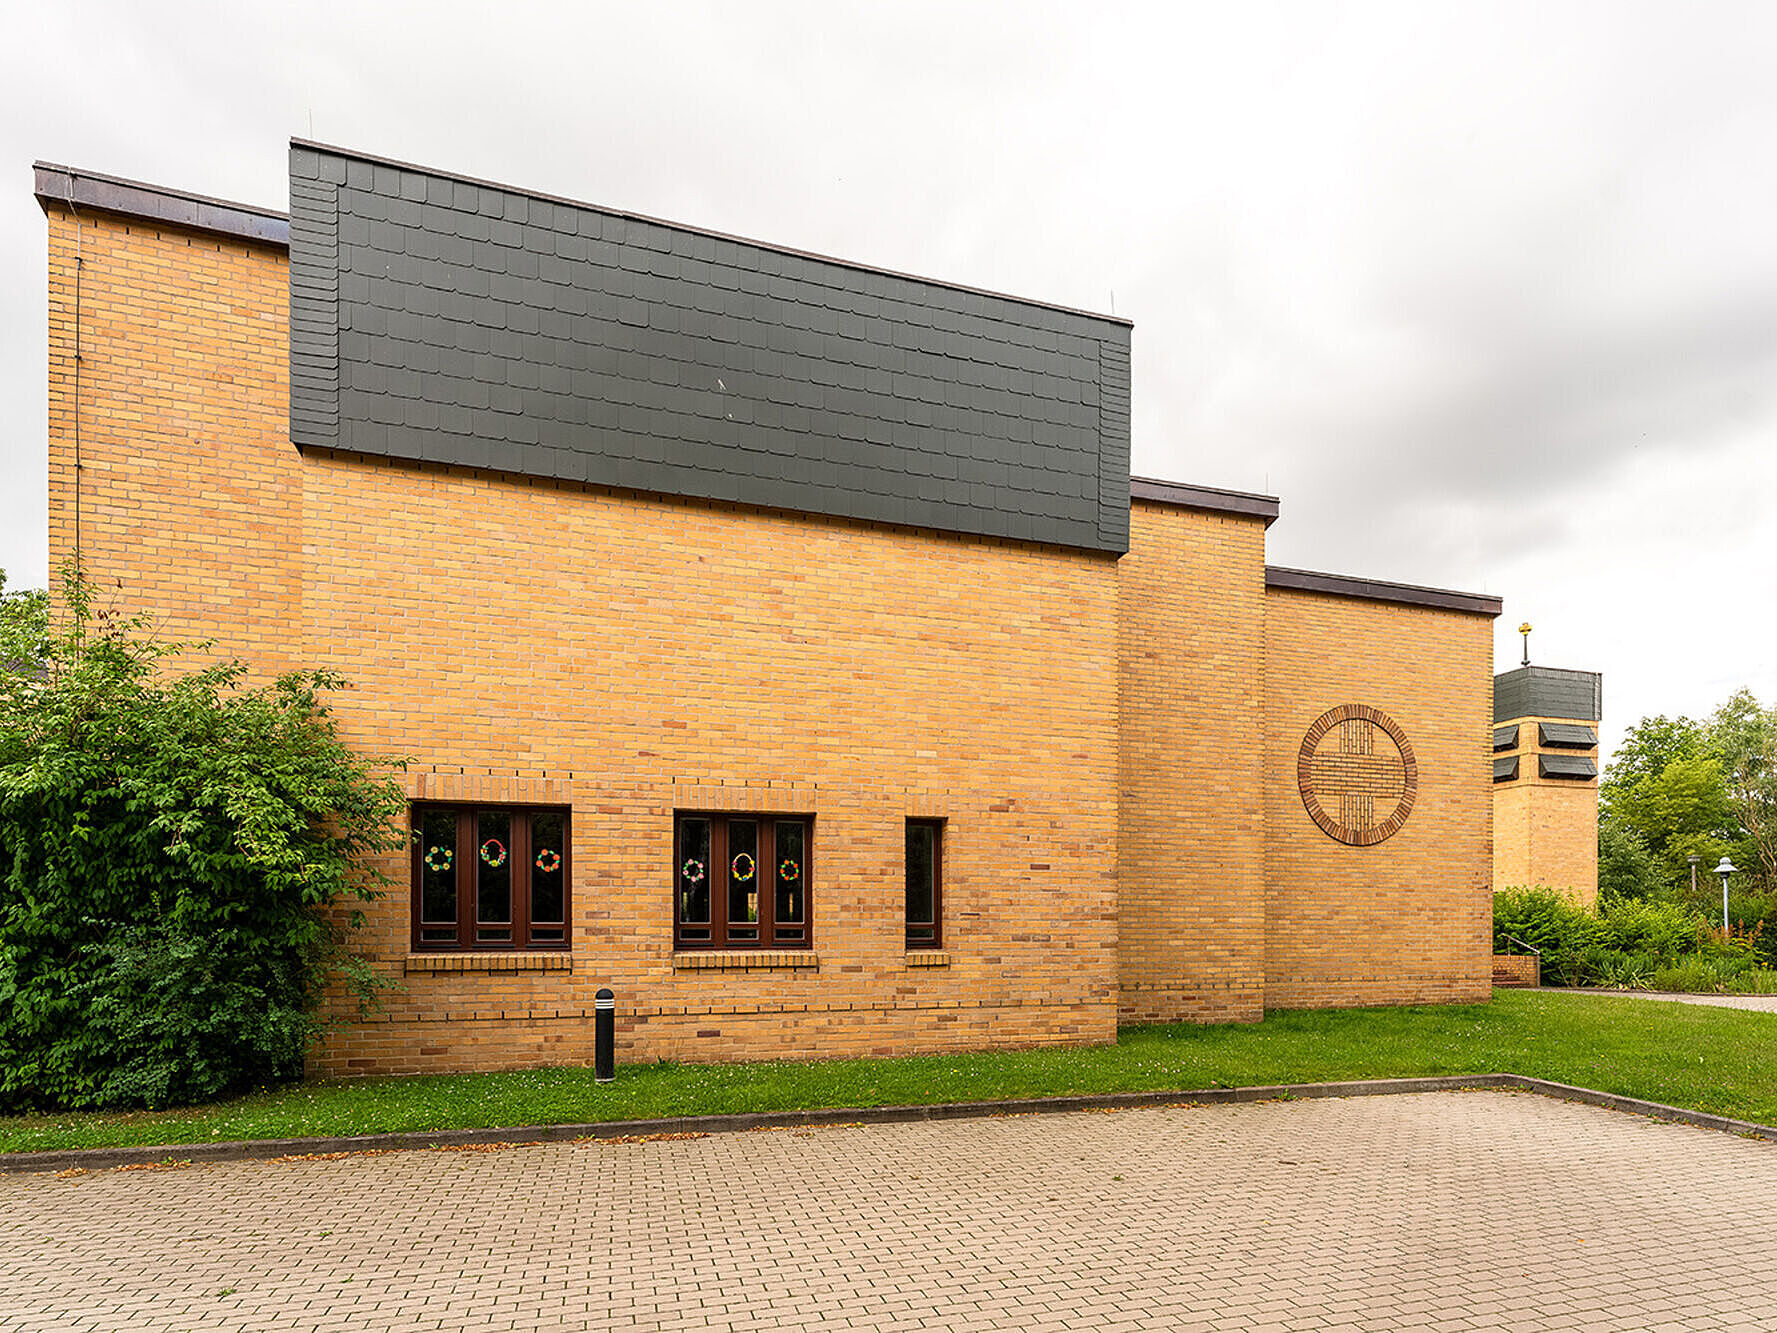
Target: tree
column 179, row 850
column 1743, row 739
column 1626, row 868
column 1678, row 812
column 1648, row 748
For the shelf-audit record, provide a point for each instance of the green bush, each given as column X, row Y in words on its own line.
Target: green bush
column 1704, row 976
column 1626, row 867
column 1754, row 919
column 1628, row 942
column 179, row 853
column 1663, row 931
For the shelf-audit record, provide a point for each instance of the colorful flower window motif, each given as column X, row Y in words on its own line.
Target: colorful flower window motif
column 750, row 885
column 490, row 878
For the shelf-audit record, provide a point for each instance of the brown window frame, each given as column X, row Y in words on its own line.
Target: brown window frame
column 936, row 924
column 519, row 855
column 689, row 934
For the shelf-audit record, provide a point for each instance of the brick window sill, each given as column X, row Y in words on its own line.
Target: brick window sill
column 730, row 960
column 927, row 958
column 555, row 961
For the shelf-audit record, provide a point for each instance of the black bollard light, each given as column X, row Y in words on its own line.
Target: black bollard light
column 604, row 1036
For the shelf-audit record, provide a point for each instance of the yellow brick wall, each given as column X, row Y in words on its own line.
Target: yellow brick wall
column 1191, row 865
column 1408, row 919
column 628, row 655
column 1545, row 830
column 187, row 487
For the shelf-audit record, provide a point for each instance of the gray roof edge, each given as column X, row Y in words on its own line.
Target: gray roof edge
column 1537, row 669
column 1211, row 498
column 813, row 255
column 74, row 188
column 1379, row 590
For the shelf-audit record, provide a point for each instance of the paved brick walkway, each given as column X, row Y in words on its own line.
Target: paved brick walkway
column 1761, row 1003
column 1439, row 1211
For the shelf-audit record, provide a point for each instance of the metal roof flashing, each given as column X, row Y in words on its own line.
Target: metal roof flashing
column 1380, row 590
column 71, row 188
column 1210, row 499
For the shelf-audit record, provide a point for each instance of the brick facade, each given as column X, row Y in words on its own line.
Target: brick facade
column 1545, row 830
column 1408, row 919
column 1190, row 868
column 1112, row 743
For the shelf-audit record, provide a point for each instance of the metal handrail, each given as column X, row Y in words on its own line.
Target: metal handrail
column 1524, row 943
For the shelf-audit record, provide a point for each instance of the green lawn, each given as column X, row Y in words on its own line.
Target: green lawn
column 1719, row 1060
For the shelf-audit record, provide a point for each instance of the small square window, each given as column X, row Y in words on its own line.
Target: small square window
column 925, row 883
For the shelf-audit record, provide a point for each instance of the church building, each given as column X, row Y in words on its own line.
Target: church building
column 778, row 641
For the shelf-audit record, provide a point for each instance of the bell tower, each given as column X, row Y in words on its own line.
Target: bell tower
column 1545, row 778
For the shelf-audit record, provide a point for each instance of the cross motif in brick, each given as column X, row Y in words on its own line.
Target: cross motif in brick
column 1357, row 775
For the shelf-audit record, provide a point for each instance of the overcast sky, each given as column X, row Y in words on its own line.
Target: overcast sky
column 1486, row 293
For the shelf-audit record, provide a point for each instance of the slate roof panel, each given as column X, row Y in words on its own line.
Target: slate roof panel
column 954, row 409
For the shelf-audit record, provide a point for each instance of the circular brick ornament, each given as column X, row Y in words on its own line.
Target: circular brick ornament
column 1357, row 775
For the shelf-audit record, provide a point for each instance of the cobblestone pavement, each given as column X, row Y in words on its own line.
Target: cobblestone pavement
column 1430, row 1211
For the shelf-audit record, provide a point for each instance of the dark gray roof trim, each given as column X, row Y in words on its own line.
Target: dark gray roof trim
column 442, row 320
column 1540, row 691
column 1566, row 736
column 398, row 165
column 1571, row 766
column 1505, row 738
column 1376, row 590
column 1210, row 498
column 113, row 194
column 1506, row 769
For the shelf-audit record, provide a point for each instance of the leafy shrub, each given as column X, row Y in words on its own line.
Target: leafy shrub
column 1629, row 942
column 1626, row 868
column 1754, row 918
column 1623, row 971
column 1704, row 976
column 171, row 847
column 1663, row 931
column 1543, row 918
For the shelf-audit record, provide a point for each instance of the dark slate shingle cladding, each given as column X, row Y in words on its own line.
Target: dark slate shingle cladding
column 1539, row 691
column 438, row 319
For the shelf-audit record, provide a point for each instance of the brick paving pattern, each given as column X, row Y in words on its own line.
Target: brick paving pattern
column 1438, row 1210
column 1758, row 1003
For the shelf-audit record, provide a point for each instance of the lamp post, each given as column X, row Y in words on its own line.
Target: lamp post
column 1693, row 858
column 1725, row 869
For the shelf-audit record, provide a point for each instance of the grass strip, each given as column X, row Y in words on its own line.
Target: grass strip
column 1722, row 1061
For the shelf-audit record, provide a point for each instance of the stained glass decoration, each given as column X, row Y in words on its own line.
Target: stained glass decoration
column 743, row 866
column 493, row 852
column 548, row 861
column 439, row 858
